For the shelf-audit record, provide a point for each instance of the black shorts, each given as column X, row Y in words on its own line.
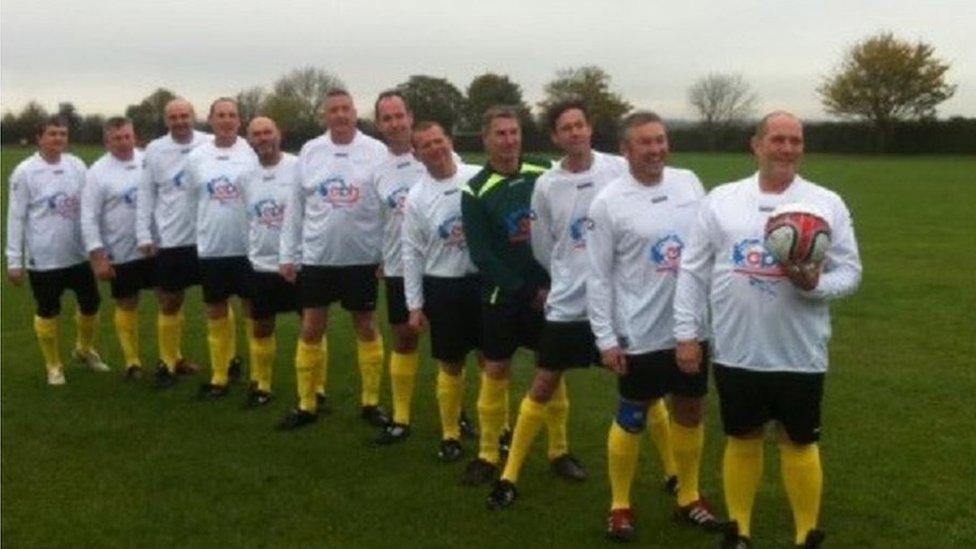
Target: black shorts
column 271, row 294
column 177, row 268
column 652, row 375
column 507, row 326
column 353, row 286
column 47, row 287
column 396, row 300
column 565, row 345
column 222, row 277
column 748, row 399
column 132, row 276
column 453, row 308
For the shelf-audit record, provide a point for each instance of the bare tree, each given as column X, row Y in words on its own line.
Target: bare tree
column 722, row 101
column 250, row 103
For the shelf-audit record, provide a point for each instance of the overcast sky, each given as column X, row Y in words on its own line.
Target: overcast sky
column 105, row 54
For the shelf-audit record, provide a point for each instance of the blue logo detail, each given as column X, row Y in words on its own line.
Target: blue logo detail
column 336, row 192
column 751, row 258
column 577, row 231
column 397, row 199
column 451, row 230
column 130, row 196
column 518, row 224
column 64, row 205
column 666, row 253
column 269, row 213
column 178, row 179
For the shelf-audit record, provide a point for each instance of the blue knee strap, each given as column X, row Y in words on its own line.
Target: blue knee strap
column 632, row 416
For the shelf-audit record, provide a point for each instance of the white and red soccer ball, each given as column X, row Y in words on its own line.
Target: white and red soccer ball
column 797, row 234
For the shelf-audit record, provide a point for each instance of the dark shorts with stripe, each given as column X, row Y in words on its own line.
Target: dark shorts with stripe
column 748, row 399
column 177, row 268
column 132, row 276
column 47, row 287
column 453, row 309
column 396, row 300
column 222, row 277
column 271, row 294
column 509, row 325
column 652, row 375
column 355, row 287
column 565, row 345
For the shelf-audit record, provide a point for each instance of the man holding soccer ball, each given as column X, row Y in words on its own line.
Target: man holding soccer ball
column 770, row 322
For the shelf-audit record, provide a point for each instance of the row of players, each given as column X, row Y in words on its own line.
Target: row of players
column 595, row 258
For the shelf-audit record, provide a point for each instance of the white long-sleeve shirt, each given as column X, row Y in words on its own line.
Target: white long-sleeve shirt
column 393, row 180
column 165, row 215
column 561, row 202
column 760, row 320
column 44, row 211
column 433, row 233
column 337, row 207
column 635, row 247
column 267, row 193
column 108, row 207
column 213, row 176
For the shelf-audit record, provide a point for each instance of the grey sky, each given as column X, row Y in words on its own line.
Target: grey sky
column 105, row 54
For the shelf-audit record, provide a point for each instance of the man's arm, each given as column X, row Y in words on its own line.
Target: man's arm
column 16, row 222
column 477, row 230
column 145, row 206
column 691, row 292
column 289, row 247
column 542, row 238
column 842, row 266
column 413, row 239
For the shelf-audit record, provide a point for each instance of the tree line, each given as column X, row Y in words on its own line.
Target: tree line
column 885, row 90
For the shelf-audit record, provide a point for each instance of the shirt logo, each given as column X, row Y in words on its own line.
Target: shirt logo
column 269, row 213
column 64, row 205
column 751, row 257
column 402, row 165
column 178, row 179
column 666, row 253
column 222, row 190
column 519, row 225
column 396, row 200
column 577, row 231
column 451, row 231
column 586, row 185
column 130, row 196
column 337, row 192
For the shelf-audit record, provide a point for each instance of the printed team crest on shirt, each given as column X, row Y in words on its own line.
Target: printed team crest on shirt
column 64, row 205
column 451, row 230
column 223, row 189
column 397, row 199
column 751, row 257
column 178, row 179
column 519, row 225
column 269, row 213
column 577, row 231
column 337, row 192
column 666, row 253
column 130, row 196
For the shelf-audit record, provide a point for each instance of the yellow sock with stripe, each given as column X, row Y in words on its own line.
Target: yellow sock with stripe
column 47, row 338
column 803, row 479
column 262, row 358
column 530, row 418
column 370, row 369
column 687, row 442
column 127, row 330
column 322, row 371
column 219, row 339
column 308, row 360
column 622, row 450
column 403, row 371
column 169, row 328
column 659, row 426
column 557, row 419
column 86, row 332
column 491, row 415
column 742, row 467
column 450, row 394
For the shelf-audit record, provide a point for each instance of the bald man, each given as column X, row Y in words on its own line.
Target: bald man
column 166, row 228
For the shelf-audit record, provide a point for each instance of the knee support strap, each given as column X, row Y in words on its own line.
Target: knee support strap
column 632, row 416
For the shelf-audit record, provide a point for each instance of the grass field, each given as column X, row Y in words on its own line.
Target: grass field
column 103, row 463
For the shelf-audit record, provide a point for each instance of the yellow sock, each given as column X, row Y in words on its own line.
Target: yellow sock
column 507, row 403
column 659, row 426
column 127, row 330
column 321, row 373
column 403, row 370
column 86, row 332
column 308, row 360
column 622, row 449
column 742, row 468
column 803, row 479
column 232, row 334
column 169, row 328
column 47, row 337
column 262, row 358
column 530, row 418
column 688, row 442
column 178, row 342
column 491, row 415
column 450, row 393
column 371, row 369
column 557, row 418
column 219, row 338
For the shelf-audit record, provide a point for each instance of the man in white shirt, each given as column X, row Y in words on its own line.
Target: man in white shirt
column 43, row 231
column 338, row 211
column 213, row 175
column 166, row 230
column 108, row 222
column 560, row 201
column 771, row 324
column 441, row 284
column 640, row 223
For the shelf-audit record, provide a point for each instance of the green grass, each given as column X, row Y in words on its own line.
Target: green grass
column 103, row 463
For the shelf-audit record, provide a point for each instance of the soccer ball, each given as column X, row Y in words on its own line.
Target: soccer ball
column 797, row 234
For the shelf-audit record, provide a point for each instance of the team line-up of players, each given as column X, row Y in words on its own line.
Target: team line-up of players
column 592, row 259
